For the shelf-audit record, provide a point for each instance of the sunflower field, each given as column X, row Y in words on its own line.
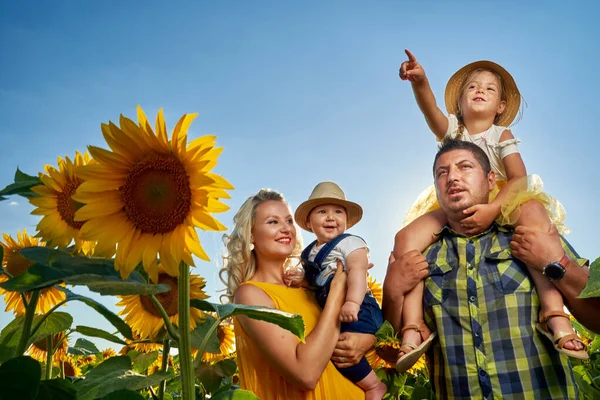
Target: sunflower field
column 122, row 222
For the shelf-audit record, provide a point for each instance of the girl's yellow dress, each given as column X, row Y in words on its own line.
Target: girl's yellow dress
column 258, row 376
column 528, row 188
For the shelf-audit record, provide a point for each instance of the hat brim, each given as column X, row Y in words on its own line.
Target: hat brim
column 513, row 96
column 354, row 211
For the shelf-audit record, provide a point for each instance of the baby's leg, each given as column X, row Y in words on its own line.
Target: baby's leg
column 373, row 387
column 418, row 235
column 534, row 215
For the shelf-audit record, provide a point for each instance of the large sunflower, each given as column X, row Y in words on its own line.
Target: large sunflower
column 227, row 344
column 143, row 317
column 58, row 226
column 149, row 194
column 39, row 349
column 15, row 264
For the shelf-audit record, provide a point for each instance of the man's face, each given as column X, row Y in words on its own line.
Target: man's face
column 460, row 181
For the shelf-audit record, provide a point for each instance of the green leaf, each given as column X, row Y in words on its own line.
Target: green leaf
column 290, row 322
column 83, row 347
column 226, row 368
column 55, row 323
column 141, row 361
column 56, row 389
column 22, row 188
column 20, row 378
column 207, row 375
column 113, row 318
column 21, row 176
column 236, row 394
column 200, row 333
column 123, row 395
column 592, row 288
column 99, row 333
column 98, row 274
column 385, row 331
column 112, row 375
column 9, row 338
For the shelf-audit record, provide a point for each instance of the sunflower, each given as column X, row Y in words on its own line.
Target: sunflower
column 82, row 361
column 14, row 264
column 384, row 354
column 156, row 365
column 70, row 365
column 139, row 347
column 418, row 366
column 227, row 344
column 108, row 353
column 143, row 317
column 148, row 194
column 39, row 349
column 375, row 289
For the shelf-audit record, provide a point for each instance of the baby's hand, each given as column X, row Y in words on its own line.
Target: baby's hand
column 349, row 312
column 411, row 70
column 294, row 277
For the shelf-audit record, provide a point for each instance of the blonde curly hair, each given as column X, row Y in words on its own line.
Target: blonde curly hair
column 239, row 262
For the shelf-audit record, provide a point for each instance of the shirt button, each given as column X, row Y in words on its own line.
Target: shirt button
column 470, row 266
column 472, row 299
column 481, row 372
column 476, row 334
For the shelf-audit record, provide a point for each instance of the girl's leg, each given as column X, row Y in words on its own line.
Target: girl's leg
column 418, row 235
column 534, row 215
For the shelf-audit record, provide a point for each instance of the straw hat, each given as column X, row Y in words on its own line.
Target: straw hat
column 456, row 82
column 327, row 193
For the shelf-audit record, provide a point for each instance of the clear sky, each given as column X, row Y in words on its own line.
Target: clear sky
column 298, row 93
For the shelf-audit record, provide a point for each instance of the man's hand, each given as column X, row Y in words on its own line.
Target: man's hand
column 536, row 249
column 479, row 218
column 349, row 312
column 411, row 70
column 404, row 273
column 351, row 347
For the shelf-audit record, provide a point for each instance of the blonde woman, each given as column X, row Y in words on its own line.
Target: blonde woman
column 273, row 363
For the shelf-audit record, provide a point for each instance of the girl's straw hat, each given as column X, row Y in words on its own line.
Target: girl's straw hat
column 456, row 82
column 327, row 193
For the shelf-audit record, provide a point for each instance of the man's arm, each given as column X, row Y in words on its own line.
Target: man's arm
column 401, row 277
column 538, row 249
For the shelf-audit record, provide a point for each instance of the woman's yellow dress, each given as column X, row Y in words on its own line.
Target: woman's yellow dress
column 258, row 376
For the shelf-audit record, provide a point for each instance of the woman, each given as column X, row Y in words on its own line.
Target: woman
column 274, row 363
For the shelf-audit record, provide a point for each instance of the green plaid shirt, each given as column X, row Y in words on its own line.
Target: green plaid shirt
column 484, row 306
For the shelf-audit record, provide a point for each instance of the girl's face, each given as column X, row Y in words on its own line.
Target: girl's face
column 482, row 96
column 327, row 222
column 273, row 232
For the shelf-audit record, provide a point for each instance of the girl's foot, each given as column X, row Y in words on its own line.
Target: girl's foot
column 410, row 352
column 562, row 334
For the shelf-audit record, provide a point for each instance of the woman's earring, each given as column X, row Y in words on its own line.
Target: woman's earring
column 251, row 246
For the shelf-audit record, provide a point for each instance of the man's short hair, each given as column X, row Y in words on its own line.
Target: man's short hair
column 454, row 144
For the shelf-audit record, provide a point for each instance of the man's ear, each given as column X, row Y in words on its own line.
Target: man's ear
column 491, row 180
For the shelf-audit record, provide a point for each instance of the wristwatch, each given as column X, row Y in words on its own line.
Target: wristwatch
column 556, row 271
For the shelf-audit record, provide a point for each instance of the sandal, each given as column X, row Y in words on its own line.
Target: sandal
column 412, row 352
column 560, row 338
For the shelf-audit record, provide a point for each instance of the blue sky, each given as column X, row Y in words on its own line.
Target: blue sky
column 297, row 93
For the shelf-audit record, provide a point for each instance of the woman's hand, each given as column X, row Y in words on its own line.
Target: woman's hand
column 338, row 287
column 351, row 347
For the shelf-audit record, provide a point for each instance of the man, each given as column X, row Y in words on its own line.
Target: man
column 480, row 300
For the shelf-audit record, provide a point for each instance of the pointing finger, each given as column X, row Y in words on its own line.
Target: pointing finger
column 411, row 56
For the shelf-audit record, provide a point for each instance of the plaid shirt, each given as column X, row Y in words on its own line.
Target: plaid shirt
column 484, row 306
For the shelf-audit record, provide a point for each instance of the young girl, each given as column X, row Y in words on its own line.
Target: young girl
column 482, row 99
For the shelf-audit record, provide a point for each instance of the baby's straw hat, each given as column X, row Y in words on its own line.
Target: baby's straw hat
column 327, row 193
column 513, row 96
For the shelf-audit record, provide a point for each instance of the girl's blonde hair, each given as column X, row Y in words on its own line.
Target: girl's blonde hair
column 239, row 262
column 465, row 85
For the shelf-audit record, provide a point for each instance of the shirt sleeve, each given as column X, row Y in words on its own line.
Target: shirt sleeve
column 507, row 147
column 452, row 131
column 351, row 243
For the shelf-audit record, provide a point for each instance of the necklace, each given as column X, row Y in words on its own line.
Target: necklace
column 482, row 138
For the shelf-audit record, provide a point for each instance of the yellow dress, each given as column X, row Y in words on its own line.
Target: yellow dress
column 258, row 376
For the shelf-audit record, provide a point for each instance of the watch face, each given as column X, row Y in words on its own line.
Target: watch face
column 554, row 271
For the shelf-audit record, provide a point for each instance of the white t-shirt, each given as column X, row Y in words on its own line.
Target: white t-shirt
column 342, row 250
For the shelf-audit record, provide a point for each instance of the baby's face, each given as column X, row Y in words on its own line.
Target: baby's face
column 327, row 222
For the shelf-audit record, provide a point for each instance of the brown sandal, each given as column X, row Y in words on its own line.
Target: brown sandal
column 560, row 338
column 411, row 351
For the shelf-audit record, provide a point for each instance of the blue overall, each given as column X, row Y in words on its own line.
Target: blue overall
column 370, row 316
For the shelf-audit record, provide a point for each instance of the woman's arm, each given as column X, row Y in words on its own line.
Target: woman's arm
column 301, row 364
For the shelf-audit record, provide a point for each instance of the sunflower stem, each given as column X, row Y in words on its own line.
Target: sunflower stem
column 204, row 342
column 62, row 369
column 27, row 322
column 164, row 367
column 185, row 338
column 49, row 354
column 170, row 328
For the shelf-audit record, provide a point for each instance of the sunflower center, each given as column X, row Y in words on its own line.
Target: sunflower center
column 387, row 352
column 69, row 370
column 16, row 264
column 42, row 343
column 220, row 334
column 157, row 194
column 167, row 299
column 67, row 206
